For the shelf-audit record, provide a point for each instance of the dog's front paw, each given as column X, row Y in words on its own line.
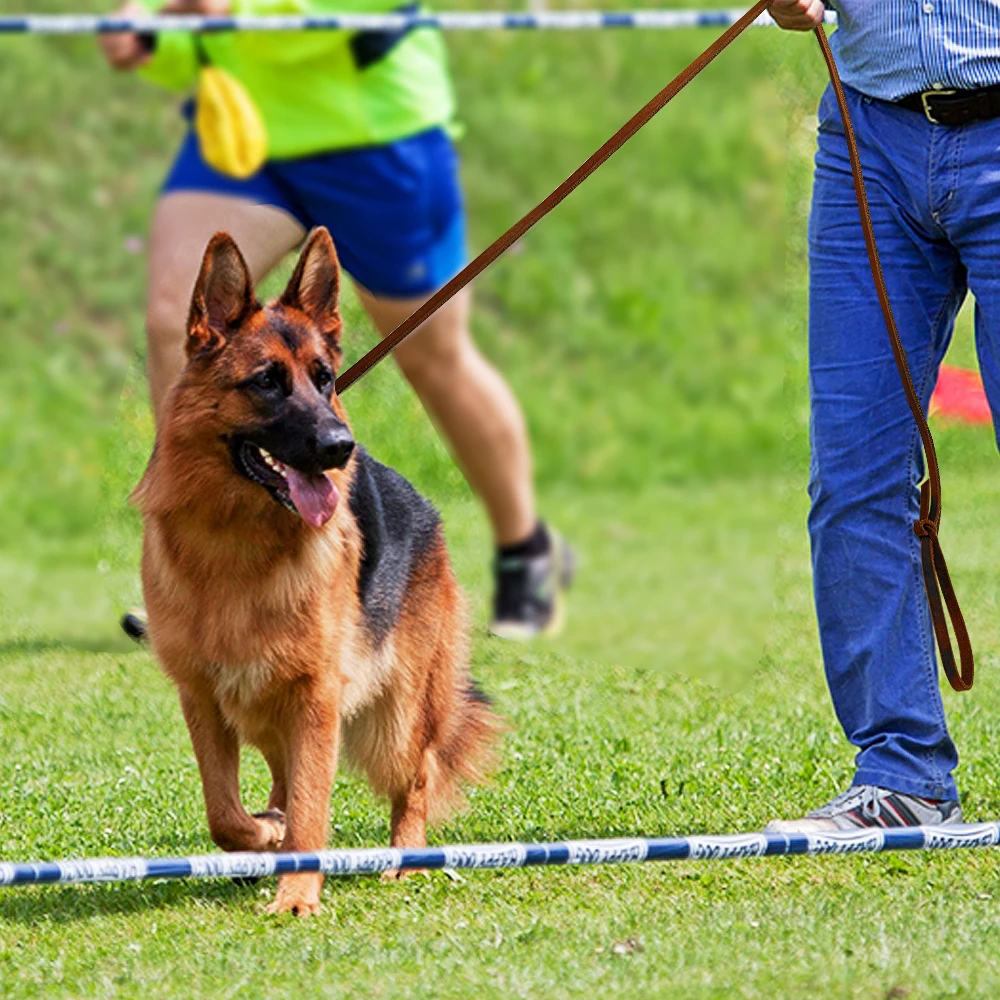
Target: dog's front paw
column 271, row 826
column 291, row 903
column 297, row 894
column 401, row 874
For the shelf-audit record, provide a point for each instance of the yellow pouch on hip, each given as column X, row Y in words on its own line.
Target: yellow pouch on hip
column 229, row 125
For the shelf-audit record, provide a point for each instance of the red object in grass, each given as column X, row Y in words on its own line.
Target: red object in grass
column 959, row 395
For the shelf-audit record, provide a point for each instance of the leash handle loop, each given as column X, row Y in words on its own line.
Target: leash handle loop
column 935, row 571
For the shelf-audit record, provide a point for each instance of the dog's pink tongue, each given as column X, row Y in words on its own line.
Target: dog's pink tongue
column 315, row 497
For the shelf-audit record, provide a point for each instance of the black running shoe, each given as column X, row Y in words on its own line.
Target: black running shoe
column 134, row 625
column 528, row 600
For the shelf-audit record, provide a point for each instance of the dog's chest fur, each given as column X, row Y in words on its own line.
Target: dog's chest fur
column 326, row 611
column 241, row 689
column 238, row 688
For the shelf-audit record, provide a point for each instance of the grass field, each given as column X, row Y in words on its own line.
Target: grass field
column 676, row 275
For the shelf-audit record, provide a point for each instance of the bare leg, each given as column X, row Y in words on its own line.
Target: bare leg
column 472, row 405
column 218, row 753
column 183, row 223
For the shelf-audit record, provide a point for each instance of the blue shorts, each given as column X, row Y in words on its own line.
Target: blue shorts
column 394, row 211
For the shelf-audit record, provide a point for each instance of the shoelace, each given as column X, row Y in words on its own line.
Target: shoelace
column 870, row 806
column 838, row 803
column 867, row 796
column 937, row 581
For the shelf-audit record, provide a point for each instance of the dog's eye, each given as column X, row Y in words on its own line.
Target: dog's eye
column 266, row 381
column 323, row 378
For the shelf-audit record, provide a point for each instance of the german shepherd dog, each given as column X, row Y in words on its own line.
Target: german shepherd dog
column 288, row 618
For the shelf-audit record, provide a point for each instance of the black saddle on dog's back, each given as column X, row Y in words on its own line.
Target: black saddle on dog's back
column 399, row 528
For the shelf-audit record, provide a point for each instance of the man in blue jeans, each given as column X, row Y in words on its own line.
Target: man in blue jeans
column 923, row 89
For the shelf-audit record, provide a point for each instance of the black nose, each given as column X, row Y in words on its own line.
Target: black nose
column 334, row 447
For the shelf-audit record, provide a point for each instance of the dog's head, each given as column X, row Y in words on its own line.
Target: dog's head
column 258, row 390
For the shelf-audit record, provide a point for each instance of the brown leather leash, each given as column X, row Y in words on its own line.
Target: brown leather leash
column 495, row 249
column 937, row 581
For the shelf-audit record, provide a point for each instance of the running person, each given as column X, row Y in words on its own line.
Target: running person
column 358, row 142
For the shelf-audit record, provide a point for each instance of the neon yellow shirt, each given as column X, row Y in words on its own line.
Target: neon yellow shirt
column 313, row 95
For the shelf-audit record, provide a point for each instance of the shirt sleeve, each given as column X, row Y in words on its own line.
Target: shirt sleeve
column 173, row 63
column 265, row 7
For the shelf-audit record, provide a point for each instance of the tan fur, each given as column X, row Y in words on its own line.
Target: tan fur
column 256, row 618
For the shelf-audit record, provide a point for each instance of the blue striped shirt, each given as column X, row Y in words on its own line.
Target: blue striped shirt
column 890, row 48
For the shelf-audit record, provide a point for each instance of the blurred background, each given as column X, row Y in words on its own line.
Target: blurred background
column 653, row 328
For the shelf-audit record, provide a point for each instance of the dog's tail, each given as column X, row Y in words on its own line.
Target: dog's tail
column 467, row 753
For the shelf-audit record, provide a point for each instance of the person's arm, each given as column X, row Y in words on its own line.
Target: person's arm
column 797, row 15
column 125, row 50
column 167, row 58
column 210, row 8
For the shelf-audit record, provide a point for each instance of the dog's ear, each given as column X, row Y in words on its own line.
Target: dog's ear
column 314, row 288
column 223, row 296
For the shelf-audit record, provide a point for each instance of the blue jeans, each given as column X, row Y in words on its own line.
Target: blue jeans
column 935, row 203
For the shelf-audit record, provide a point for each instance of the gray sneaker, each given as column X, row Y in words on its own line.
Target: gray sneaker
column 868, row 805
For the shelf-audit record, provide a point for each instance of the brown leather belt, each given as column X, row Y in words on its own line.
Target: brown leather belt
column 954, row 107
column 937, row 583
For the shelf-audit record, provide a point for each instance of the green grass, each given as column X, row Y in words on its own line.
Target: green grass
column 654, row 330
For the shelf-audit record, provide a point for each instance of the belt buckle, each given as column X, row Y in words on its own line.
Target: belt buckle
column 925, row 95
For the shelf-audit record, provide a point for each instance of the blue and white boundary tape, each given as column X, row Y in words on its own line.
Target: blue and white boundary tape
column 563, row 20
column 514, row 855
